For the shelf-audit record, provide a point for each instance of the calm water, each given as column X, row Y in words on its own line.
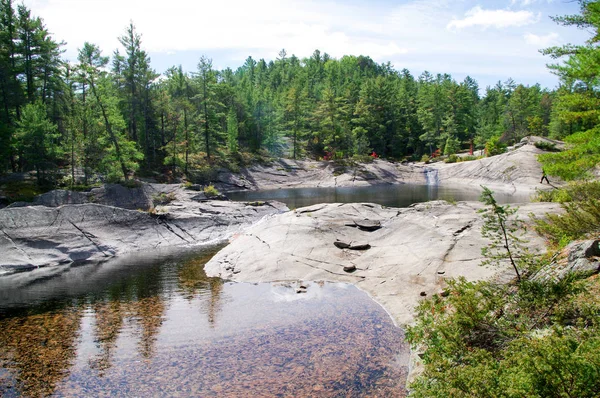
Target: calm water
column 157, row 326
column 388, row 195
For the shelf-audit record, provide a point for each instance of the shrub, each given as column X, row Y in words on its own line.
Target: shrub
column 451, row 159
column 425, row 158
column 163, row 198
column 546, row 146
column 467, row 158
column 580, row 220
column 482, row 339
column 211, row 192
column 495, row 147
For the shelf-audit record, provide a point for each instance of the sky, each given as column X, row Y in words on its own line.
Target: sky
column 489, row 40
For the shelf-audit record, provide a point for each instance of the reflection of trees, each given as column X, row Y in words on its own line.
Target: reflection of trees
column 110, row 319
column 193, row 282
column 109, row 322
column 150, row 314
column 214, row 303
column 39, row 349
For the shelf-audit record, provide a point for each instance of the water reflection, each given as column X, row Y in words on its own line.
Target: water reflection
column 163, row 328
column 36, row 351
column 402, row 195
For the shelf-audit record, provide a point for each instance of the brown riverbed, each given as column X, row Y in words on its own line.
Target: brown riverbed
column 163, row 328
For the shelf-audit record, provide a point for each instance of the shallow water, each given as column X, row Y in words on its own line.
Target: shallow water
column 157, row 326
column 388, row 195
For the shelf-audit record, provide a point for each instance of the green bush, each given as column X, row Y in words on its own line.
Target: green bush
column 211, row 192
column 495, row 147
column 484, row 339
column 452, row 159
column 425, row 158
column 163, row 198
column 546, row 146
column 467, row 158
column 581, row 217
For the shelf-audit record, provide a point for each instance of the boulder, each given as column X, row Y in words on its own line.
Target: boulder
column 582, row 257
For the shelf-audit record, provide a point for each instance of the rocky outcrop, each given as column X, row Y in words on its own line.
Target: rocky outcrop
column 513, row 171
column 287, row 173
column 37, row 236
column 581, row 257
column 410, row 256
column 140, row 196
column 516, row 171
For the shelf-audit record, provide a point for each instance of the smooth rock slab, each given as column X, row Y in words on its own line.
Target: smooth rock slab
column 36, row 236
column 415, row 250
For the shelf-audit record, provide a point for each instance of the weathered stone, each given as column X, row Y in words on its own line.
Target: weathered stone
column 350, row 268
column 406, row 254
column 360, row 246
column 581, row 257
column 37, row 236
column 368, row 225
column 341, row 245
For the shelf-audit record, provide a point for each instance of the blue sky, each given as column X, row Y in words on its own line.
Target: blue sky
column 487, row 40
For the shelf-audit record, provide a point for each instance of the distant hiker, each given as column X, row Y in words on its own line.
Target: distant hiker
column 544, row 177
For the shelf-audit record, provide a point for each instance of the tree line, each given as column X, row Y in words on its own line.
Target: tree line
column 115, row 116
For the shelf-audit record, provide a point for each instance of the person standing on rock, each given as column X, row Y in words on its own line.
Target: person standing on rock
column 544, row 177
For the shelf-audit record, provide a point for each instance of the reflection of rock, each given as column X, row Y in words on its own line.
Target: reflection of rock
column 38, row 350
column 417, row 248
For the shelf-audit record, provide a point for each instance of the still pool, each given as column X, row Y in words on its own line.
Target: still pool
column 155, row 325
column 398, row 195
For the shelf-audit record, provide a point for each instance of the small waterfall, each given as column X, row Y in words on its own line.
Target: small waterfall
column 431, row 176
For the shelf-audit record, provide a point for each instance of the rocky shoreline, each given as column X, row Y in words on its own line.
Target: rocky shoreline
column 39, row 236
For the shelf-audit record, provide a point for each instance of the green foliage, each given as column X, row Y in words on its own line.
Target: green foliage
column 546, row 146
column 484, row 339
column 578, row 104
column 163, row 198
column 452, row 159
column 581, row 217
column 452, row 146
column 467, row 158
column 36, row 138
column 495, row 147
column 425, row 158
column 579, row 160
column 21, row 191
column 505, row 231
column 211, row 192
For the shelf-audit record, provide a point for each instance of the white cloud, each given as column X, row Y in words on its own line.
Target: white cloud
column 542, row 41
column 525, row 3
column 263, row 27
column 493, row 18
column 410, row 33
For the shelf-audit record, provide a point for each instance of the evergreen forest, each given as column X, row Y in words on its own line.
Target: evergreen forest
column 113, row 116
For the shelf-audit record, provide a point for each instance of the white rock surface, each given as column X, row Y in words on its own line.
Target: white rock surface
column 415, row 250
